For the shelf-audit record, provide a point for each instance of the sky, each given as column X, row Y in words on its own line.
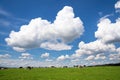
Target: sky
column 43, row 33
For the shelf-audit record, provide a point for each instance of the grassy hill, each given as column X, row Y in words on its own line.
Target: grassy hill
column 87, row 73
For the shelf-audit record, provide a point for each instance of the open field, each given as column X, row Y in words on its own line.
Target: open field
column 88, row 73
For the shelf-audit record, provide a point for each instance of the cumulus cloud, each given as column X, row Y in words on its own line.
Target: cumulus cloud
column 34, row 63
column 63, row 57
column 75, row 60
column 95, row 47
column 19, row 49
column 114, row 56
column 44, row 34
column 117, row 5
column 5, row 56
column 108, row 32
column 25, row 56
column 45, row 55
column 66, row 24
column 100, row 56
column 91, row 57
column 55, row 46
column 48, row 60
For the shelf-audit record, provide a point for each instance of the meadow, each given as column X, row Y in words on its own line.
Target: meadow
column 87, row 73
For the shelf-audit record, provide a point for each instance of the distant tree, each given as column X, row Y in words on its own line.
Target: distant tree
column 65, row 66
column 84, row 65
column 1, row 68
column 80, row 66
column 20, row 67
column 75, row 66
column 29, row 67
column 52, row 66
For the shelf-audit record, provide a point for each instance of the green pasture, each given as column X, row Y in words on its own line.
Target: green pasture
column 87, row 73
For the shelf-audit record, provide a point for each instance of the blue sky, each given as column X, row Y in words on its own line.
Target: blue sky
column 64, row 32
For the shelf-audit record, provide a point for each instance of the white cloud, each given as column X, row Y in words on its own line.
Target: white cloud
column 25, row 56
column 108, row 32
column 48, row 60
column 40, row 33
column 95, row 47
column 45, row 55
column 19, row 49
column 66, row 24
column 33, row 63
column 63, row 57
column 18, row 63
column 91, row 57
column 75, row 60
column 55, row 46
column 100, row 56
column 5, row 56
column 106, row 35
column 117, row 5
column 77, row 54
column 114, row 56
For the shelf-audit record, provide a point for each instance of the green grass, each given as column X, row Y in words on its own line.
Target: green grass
column 88, row 73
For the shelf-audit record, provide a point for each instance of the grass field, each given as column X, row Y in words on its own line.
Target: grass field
column 88, row 73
